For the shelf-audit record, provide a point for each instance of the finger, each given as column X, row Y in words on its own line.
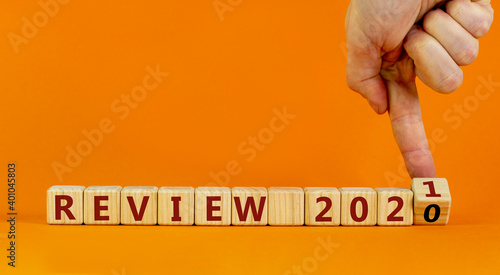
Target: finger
column 434, row 66
column 458, row 42
column 406, row 120
column 476, row 17
column 363, row 68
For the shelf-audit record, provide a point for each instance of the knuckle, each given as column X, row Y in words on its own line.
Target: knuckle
column 407, row 119
column 355, row 85
column 456, row 9
column 481, row 26
column 351, row 83
column 477, row 25
column 468, row 54
column 415, row 155
column 418, row 46
column 432, row 18
column 451, row 82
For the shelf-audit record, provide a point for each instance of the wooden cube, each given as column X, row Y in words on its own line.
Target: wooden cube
column 249, row 206
column 322, row 206
column 213, row 206
column 102, row 205
column 431, row 201
column 358, row 206
column 176, row 206
column 139, row 205
column 395, row 206
column 65, row 204
column 286, row 206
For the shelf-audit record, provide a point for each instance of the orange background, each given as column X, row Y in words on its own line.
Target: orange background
column 226, row 77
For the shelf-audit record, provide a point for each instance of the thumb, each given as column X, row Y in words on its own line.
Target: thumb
column 406, row 118
column 363, row 66
column 363, row 75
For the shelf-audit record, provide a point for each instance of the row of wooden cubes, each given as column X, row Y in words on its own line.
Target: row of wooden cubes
column 428, row 202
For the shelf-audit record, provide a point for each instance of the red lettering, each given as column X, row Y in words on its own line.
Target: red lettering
column 65, row 208
column 138, row 216
column 250, row 203
column 432, row 191
column 321, row 216
column 98, row 208
column 211, row 208
column 392, row 217
column 176, row 217
column 364, row 209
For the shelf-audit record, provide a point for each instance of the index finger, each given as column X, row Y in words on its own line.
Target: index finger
column 406, row 120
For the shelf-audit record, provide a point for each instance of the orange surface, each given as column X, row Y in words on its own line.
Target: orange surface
column 226, row 77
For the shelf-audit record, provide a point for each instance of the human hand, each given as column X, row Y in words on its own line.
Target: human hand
column 386, row 50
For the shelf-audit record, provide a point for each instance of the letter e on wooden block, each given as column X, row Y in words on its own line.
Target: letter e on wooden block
column 65, row 204
column 431, row 201
column 102, row 205
column 139, row 205
column 322, row 205
column 286, row 206
column 395, row 206
column 176, row 206
column 249, row 206
column 213, row 206
column 358, row 206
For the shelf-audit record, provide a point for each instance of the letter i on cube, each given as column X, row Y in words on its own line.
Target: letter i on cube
column 176, row 206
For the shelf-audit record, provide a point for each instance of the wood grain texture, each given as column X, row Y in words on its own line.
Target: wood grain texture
column 64, row 195
column 144, row 209
column 424, row 199
column 212, row 206
column 286, row 206
column 395, row 206
column 249, row 206
column 170, row 198
column 107, row 202
column 317, row 199
column 358, row 206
